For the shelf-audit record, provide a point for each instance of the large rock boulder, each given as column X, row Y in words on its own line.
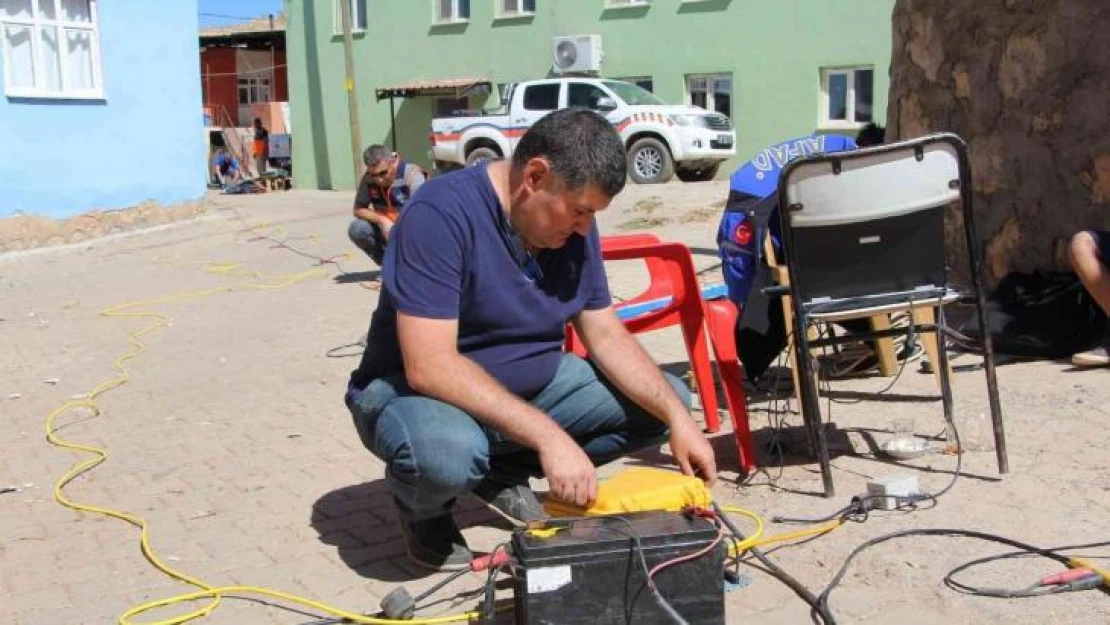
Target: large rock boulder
column 1027, row 84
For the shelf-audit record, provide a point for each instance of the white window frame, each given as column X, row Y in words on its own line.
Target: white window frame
column 455, row 18
column 36, row 23
column 519, row 11
column 256, row 86
column 357, row 7
column 710, row 80
column 620, row 4
column 849, row 123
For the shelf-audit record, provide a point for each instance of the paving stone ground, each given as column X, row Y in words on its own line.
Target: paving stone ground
column 231, row 440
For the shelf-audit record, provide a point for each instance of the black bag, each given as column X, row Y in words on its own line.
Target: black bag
column 1044, row 314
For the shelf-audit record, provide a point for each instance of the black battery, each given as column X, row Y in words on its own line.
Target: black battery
column 590, row 571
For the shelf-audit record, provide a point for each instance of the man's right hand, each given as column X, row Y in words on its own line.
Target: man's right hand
column 569, row 471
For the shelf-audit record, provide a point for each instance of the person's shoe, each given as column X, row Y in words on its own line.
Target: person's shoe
column 516, row 502
column 1097, row 357
column 437, row 544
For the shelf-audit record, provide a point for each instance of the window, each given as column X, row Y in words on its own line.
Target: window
column 452, row 10
column 584, row 94
column 846, row 97
column 358, row 16
column 644, row 82
column 253, row 90
column 511, row 8
column 542, row 97
column 711, row 92
column 446, row 107
column 633, row 94
column 50, row 48
column 625, row 3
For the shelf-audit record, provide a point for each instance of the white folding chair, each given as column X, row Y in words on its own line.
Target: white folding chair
column 863, row 234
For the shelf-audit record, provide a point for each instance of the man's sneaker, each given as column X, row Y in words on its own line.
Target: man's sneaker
column 516, row 502
column 437, row 544
column 1097, row 357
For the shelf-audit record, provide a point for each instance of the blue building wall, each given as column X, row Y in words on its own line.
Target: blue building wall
column 143, row 141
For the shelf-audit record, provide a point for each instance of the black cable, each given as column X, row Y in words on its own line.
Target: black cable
column 823, row 598
column 776, row 420
column 488, row 607
column 429, row 592
column 638, row 548
column 776, row 571
column 859, row 507
column 950, row 581
column 659, row 598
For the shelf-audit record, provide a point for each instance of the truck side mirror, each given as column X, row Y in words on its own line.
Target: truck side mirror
column 606, row 104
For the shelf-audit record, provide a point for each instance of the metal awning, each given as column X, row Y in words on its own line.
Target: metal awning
column 453, row 87
column 443, row 87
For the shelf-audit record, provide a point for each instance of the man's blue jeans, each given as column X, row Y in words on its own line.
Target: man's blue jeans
column 435, row 452
column 368, row 237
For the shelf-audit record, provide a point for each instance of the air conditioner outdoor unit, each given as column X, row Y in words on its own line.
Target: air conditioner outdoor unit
column 578, row 53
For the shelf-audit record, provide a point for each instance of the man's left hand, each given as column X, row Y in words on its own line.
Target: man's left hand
column 691, row 450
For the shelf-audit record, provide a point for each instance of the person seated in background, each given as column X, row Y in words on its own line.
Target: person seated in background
column 1088, row 255
column 225, row 168
column 383, row 191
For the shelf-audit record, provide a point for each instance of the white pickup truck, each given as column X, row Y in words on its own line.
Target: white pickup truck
column 662, row 139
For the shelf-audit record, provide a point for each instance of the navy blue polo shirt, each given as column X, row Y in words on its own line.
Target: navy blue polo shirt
column 452, row 255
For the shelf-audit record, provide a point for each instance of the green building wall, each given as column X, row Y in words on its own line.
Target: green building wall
column 773, row 50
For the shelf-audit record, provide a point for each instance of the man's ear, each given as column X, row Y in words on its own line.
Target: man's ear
column 536, row 172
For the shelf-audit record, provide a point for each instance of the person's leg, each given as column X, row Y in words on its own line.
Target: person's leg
column 1088, row 254
column 433, row 453
column 368, row 238
column 605, row 422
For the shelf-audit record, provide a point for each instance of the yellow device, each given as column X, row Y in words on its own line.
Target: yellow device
column 637, row 490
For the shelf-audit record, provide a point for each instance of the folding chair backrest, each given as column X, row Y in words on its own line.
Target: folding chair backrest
column 853, row 187
column 869, row 222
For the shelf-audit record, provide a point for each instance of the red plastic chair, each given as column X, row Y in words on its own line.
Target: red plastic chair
column 721, row 317
column 671, row 271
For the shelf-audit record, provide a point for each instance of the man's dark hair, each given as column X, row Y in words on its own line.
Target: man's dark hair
column 582, row 147
column 375, row 154
column 871, row 134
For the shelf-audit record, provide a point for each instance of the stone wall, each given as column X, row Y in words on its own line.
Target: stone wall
column 1027, row 84
column 23, row 232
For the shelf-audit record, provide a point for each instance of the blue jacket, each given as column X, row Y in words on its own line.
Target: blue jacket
column 753, row 188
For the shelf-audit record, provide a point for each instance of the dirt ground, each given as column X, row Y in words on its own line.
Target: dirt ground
column 231, row 439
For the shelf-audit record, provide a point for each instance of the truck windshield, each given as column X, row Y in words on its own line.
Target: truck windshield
column 633, row 95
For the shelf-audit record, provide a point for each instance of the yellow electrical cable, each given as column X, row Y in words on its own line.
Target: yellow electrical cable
column 88, row 400
column 745, row 544
column 757, row 539
column 239, row 590
column 813, row 531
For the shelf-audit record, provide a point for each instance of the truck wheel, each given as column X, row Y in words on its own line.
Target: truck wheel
column 703, row 174
column 650, row 162
column 480, row 153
